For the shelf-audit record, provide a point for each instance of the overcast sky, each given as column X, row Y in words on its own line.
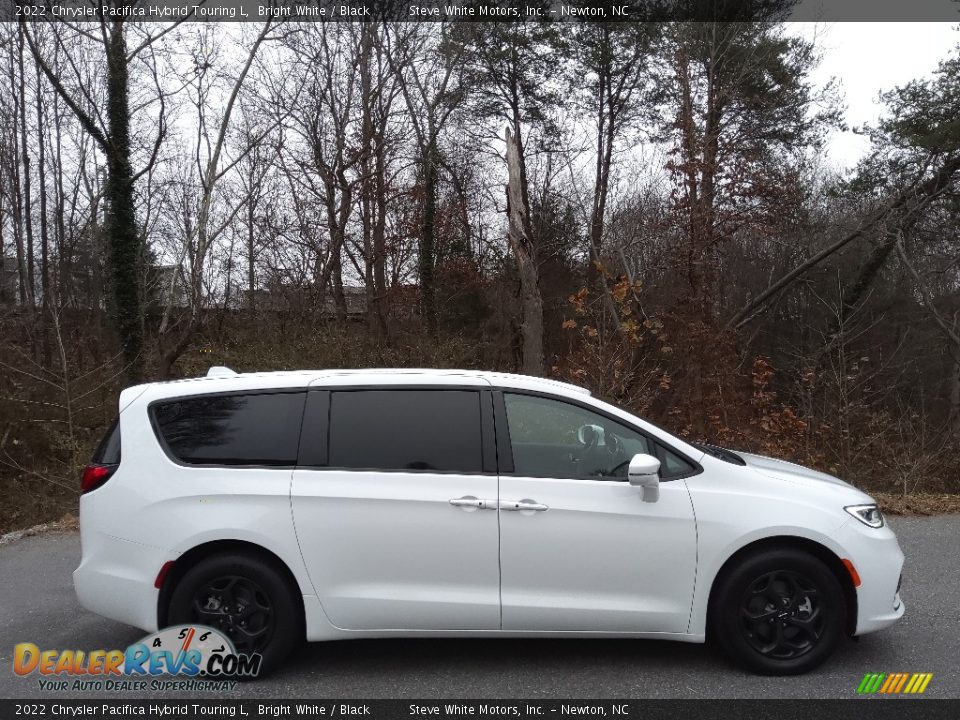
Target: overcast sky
column 868, row 58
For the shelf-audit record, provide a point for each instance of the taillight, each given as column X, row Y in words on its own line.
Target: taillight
column 95, row 475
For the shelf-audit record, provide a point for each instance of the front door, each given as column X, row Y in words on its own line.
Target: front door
column 580, row 548
column 396, row 514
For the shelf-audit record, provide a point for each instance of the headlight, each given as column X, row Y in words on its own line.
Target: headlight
column 867, row 514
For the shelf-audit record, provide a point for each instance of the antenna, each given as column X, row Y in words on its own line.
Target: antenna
column 220, row 371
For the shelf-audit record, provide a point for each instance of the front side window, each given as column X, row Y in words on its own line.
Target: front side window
column 413, row 430
column 258, row 429
column 555, row 439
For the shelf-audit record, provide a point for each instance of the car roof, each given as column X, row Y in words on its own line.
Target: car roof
column 221, row 379
column 224, row 380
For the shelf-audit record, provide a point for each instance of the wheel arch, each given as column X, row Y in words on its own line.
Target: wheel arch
column 198, row 553
column 792, row 542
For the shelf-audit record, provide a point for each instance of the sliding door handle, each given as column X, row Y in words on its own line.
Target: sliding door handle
column 470, row 503
column 523, row 505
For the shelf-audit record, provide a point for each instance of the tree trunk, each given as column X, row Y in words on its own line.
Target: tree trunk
column 45, row 287
column 123, row 241
column 339, row 298
column 251, row 256
column 459, row 187
column 954, row 417
column 427, row 229
column 31, row 294
column 3, row 257
column 380, row 240
column 706, row 208
column 60, row 204
column 18, row 212
column 606, row 134
column 520, row 235
column 594, row 276
column 367, row 152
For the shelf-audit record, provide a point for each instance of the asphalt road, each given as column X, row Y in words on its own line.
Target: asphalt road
column 37, row 605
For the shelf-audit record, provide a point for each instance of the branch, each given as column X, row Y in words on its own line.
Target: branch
column 88, row 123
column 211, row 175
column 950, row 332
column 161, row 130
column 931, row 187
column 151, row 39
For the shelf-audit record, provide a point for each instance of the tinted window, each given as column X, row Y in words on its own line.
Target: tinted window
column 432, row 430
column 108, row 451
column 674, row 465
column 261, row 429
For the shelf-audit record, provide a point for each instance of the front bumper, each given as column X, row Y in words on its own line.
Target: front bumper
column 876, row 555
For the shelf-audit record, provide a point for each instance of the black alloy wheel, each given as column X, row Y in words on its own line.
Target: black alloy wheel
column 781, row 615
column 778, row 611
column 250, row 598
column 238, row 607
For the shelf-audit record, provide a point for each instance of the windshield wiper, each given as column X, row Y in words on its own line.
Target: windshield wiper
column 721, row 453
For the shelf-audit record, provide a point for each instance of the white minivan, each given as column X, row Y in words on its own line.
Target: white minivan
column 332, row 504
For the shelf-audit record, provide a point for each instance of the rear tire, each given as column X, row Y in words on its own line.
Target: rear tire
column 247, row 599
column 778, row 612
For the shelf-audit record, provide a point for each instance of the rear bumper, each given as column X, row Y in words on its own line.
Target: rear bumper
column 111, row 579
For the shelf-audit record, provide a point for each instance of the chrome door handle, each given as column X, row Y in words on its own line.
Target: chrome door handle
column 521, row 505
column 470, row 502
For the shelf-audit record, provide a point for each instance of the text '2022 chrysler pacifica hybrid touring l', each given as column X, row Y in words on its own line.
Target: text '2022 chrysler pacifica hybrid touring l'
column 333, row 504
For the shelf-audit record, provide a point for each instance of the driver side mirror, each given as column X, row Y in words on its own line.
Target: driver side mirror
column 644, row 471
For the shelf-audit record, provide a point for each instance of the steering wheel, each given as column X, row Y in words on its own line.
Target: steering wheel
column 614, row 444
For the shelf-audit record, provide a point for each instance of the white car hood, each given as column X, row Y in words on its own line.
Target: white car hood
column 783, row 470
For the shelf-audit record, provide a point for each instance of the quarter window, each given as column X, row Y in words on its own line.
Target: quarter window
column 258, row 429
column 425, row 430
column 108, row 451
column 674, row 465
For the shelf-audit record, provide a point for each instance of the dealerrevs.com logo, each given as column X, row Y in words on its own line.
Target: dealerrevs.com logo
column 191, row 657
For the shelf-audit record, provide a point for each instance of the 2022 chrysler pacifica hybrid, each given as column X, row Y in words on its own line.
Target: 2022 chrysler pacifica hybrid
column 344, row 504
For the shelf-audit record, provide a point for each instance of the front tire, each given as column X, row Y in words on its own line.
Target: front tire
column 779, row 612
column 247, row 599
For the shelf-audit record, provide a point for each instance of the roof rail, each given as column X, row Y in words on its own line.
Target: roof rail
column 541, row 380
column 219, row 371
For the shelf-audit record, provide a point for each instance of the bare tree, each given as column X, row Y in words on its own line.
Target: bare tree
column 201, row 233
column 426, row 59
column 107, row 120
column 506, row 64
column 614, row 59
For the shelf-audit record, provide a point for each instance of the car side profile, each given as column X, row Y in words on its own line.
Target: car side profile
column 334, row 504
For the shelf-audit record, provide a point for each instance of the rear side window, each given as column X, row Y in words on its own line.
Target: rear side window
column 259, row 429
column 426, row 430
column 108, row 451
